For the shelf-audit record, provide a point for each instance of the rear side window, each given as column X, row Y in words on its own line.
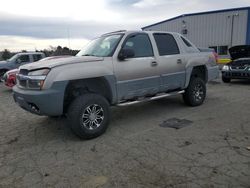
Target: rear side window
column 140, row 44
column 166, row 44
column 186, row 42
column 37, row 57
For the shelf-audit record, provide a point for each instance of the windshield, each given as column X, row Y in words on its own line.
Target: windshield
column 101, row 47
column 13, row 57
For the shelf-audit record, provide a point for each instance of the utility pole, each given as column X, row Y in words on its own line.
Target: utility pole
column 68, row 37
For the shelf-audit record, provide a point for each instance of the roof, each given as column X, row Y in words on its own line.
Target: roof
column 28, row 53
column 138, row 31
column 199, row 13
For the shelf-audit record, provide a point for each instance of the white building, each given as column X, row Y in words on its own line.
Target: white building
column 219, row 29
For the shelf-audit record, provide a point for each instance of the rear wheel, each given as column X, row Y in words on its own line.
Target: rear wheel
column 89, row 115
column 195, row 93
column 226, row 80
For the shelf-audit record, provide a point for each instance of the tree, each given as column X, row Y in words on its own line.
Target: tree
column 65, row 51
column 6, row 54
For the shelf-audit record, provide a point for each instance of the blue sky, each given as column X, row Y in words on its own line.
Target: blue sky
column 31, row 25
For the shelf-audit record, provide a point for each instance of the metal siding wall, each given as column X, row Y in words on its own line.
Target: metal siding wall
column 210, row 29
column 248, row 29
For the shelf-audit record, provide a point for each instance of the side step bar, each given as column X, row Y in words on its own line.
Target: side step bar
column 151, row 98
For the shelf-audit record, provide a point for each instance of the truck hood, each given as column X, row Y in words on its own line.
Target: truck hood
column 237, row 52
column 3, row 62
column 60, row 61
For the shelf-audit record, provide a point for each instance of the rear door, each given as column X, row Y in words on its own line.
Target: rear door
column 137, row 76
column 23, row 59
column 171, row 63
column 36, row 57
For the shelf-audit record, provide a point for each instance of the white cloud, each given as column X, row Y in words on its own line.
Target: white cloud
column 75, row 9
column 86, row 19
column 149, row 3
column 16, row 43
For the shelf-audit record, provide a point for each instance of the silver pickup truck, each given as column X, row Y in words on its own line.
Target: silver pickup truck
column 119, row 68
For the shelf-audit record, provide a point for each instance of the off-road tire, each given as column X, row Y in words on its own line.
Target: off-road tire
column 78, row 108
column 191, row 96
column 226, row 80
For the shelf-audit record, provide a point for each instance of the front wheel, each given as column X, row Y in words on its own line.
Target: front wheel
column 226, row 80
column 195, row 93
column 88, row 115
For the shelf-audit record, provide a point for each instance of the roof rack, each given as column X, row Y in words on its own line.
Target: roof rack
column 115, row 32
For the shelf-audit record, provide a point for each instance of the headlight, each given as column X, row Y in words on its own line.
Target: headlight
column 34, row 80
column 35, row 84
column 225, row 68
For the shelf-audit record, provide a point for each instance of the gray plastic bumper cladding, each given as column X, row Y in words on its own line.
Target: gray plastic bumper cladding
column 42, row 102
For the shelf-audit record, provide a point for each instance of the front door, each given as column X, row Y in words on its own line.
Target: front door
column 137, row 76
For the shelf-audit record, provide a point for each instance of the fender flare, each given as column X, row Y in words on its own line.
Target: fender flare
column 189, row 69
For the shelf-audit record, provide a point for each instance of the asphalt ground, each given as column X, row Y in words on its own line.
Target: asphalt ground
column 209, row 146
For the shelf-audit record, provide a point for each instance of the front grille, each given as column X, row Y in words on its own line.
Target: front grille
column 23, row 71
column 238, row 67
column 22, row 83
column 238, row 74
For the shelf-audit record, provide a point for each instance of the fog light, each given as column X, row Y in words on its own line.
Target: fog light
column 34, row 108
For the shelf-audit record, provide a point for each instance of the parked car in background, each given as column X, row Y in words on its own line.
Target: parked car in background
column 224, row 61
column 119, row 68
column 210, row 50
column 239, row 67
column 19, row 59
column 9, row 78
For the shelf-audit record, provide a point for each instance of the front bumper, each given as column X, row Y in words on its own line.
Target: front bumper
column 41, row 102
column 240, row 74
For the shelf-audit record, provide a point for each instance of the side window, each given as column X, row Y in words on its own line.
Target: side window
column 215, row 48
column 37, row 57
column 24, row 58
column 140, row 44
column 222, row 50
column 166, row 44
column 186, row 42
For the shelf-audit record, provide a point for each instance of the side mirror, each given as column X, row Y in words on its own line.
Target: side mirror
column 126, row 53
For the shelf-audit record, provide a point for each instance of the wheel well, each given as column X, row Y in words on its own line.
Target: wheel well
column 200, row 71
column 76, row 88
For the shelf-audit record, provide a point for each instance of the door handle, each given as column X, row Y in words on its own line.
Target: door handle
column 154, row 63
column 179, row 61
